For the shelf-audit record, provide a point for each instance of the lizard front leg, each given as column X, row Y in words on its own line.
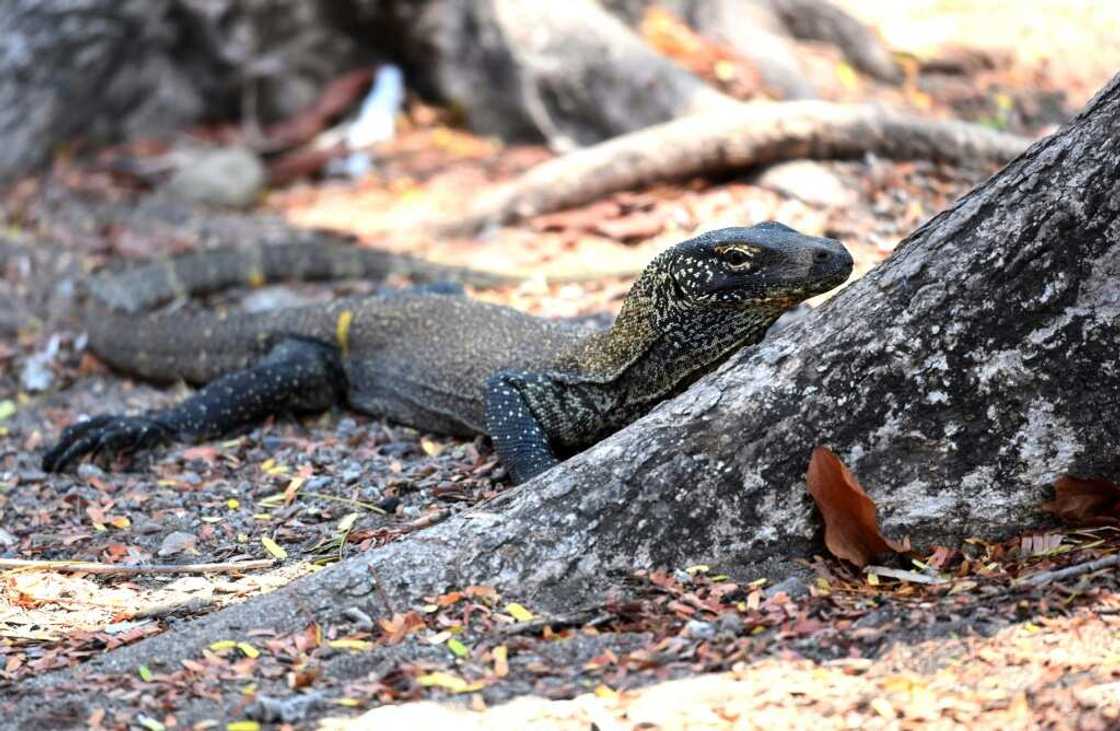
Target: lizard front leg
column 532, row 416
column 519, row 439
column 296, row 375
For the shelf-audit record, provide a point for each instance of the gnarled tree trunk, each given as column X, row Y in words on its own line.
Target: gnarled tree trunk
column 958, row 380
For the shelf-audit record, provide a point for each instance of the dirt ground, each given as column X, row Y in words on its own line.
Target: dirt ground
column 958, row 641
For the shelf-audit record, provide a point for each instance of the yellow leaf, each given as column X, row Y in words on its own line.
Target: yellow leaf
column 233, row 503
column 447, row 681
column 457, row 648
column 501, row 661
column 873, row 579
column 518, row 612
column 724, row 70
column 7, row 408
column 605, row 692
column 120, row 522
column 847, row 76
column 347, row 522
column 699, row 568
column 431, row 447
column 243, row 726
column 145, row 673
column 883, row 707
column 356, row 645
column 222, row 645
column 274, row 548
column 292, row 488
column 248, row 650
column 342, row 331
column 346, row 702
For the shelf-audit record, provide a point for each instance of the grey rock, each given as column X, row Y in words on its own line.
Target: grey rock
column 700, row 630
column 807, row 181
column 793, row 587
column 231, row 176
column 271, row 298
column 176, row 542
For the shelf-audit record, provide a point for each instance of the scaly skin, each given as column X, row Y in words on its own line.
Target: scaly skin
column 540, row 389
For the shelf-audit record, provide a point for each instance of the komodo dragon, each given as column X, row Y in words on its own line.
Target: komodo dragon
column 541, row 389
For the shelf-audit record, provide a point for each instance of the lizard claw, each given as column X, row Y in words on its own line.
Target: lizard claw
column 106, row 434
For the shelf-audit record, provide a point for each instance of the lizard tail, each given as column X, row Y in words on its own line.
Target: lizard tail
column 160, row 281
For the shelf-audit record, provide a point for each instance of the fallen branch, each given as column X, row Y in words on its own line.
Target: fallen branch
column 754, row 134
column 108, row 569
column 1046, row 577
column 582, row 618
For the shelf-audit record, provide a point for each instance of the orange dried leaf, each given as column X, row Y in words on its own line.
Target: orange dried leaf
column 1079, row 501
column 851, row 531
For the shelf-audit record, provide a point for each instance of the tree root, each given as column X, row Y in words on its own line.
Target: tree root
column 754, row 134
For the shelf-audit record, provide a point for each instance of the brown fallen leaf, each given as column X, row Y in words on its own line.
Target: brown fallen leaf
column 1081, row 501
column 851, row 531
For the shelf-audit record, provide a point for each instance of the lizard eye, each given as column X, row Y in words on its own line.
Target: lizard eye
column 736, row 259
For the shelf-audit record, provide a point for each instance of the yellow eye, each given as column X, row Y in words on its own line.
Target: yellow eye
column 736, row 258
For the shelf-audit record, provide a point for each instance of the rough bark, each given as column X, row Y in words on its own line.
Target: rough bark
column 113, row 69
column 819, row 20
column 569, row 73
column 753, row 134
column 764, row 31
column 957, row 380
column 755, row 30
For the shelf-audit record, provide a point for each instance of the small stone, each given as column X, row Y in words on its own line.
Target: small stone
column 793, row 587
column 7, row 540
column 88, row 470
column 398, row 449
column 700, row 630
column 358, row 617
column 36, row 374
column 231, row 176
column 808, row 181
column 682, row 576
column 729, row 625
column 271, row 298
column 176, row 542
column 389, row 504
column 317, row 483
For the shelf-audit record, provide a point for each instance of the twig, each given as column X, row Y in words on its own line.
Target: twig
column 1046, row 577
column 108, row 569
column 586, row 617
column 347, row 501
column 424, row 521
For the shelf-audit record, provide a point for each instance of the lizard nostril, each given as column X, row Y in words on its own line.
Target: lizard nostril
column 821, row 255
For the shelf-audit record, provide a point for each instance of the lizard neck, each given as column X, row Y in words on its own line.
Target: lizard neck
column 664, row 343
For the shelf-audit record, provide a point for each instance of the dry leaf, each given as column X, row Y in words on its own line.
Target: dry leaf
column 851, row 531
column 1079, row 501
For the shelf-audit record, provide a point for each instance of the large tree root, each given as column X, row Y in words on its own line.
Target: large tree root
column 753, row 134
column 958, row 380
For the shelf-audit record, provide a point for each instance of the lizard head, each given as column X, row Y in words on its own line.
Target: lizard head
column 768, row 265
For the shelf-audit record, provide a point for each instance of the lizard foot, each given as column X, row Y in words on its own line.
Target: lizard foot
column 111, row 435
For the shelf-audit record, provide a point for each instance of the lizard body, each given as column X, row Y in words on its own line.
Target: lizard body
column 541, row 389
